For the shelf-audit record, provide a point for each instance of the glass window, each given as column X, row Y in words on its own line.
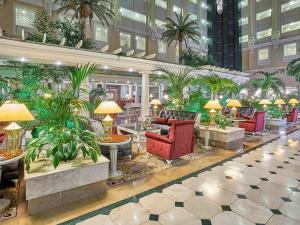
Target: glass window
column 140, row 43
column 125, row 40
column 290, row 27
column 162, row 47
column 194, row 1
column 290, row 5
column 25, row 16
column 161, row 3
column 264, row 14
column 176, row 9
column 101, row 33
column 193, row 16
column 290, row 49
column 263, row 54
column 243, row 3
column 243, row 39
column 129, row 14
column 264, row 33
column 243, row 21
column 159, row 23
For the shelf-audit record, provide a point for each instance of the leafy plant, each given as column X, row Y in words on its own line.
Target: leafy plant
column 193, row 59
column 293, row 69
column 223, row 121
column 86, row 9
column 275, row 112
column 180, row 31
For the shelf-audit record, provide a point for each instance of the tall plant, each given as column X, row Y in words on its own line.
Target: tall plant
column 84, row 9
column 293, row 69
column 268, row 82
column 181, row 31
column 178, row 80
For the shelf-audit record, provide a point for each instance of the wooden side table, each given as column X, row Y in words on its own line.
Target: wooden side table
column 113, row 144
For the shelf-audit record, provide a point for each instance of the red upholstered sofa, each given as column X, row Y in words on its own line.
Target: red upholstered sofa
column 179, row 142
column 2, row 136
column 254, row 125
column 292, row 116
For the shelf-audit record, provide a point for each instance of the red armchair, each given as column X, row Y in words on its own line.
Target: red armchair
column 2, row 136
column 292, row 116
column 256, row 124
column 179, row 142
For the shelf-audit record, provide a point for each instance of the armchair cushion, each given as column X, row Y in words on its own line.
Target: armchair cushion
column 159, row 120
column 170, row 121
column 158, row 137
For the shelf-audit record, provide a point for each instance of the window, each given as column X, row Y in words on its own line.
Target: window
column 194, row 1
column 25, row 16
column 161, row 3
column 290, row 5
column 125, row 40
column 176, row 9
column 162, row 47
column 290, row 27
column 193, row 16
column 129, row 14
column 101, row 33
column 243, row 3
column 264, row 33
column 263, row 54
column 243, row 39
column 140, row 43
column 290, row 50
column 243, row 21
column 160, row 23
column 264, row 14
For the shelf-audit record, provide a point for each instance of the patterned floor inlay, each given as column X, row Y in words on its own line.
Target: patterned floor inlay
column 260, row 187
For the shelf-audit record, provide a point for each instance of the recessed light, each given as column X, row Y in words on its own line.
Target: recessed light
column 130, row 69
column 23, row 59
column 58, row 63
column 105, row 67
column 116, row 81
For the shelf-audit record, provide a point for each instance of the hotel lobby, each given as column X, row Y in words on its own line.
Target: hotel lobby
column 149, row 113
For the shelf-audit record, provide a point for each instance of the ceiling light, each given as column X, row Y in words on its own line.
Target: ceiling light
column 105, row 67
column 58, row 63
column 130, row 69
column 23, row 59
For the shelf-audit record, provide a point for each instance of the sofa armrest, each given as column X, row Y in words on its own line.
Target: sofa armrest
column 158, row 137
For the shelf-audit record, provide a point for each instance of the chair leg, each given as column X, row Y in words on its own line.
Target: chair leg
column 169, row 162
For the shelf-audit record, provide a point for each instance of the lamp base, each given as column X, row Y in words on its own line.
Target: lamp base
column 12, row 135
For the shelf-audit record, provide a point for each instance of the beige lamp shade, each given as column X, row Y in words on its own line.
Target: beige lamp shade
column 279, row 101
column 234, row 103
column 155, row 102
column 13, row 111
column 213, row 104
column 108, row 107
column 293, row 101
column 264, row 102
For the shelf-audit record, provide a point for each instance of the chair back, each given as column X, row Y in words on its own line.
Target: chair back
column 259, row 118
column 295, row 114
column 182, row 133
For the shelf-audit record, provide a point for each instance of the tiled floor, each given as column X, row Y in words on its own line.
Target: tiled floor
column 260, row 187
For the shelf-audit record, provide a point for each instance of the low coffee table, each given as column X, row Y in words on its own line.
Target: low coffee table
column 137, row 129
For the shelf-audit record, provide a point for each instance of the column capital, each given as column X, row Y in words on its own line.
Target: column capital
column 146, row 72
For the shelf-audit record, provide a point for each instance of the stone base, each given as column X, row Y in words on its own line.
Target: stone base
column 38, row 205
column 231, row 145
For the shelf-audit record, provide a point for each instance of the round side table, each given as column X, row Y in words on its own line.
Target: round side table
column 5, row 203
column 113, row 143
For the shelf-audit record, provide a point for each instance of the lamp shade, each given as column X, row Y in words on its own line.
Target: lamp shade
column 279, row 101
column 293, row 101
column 108, row 107
column 213, row 104
column 264, row 102
column 155, row 102
column 234, row 103
column 13, row 111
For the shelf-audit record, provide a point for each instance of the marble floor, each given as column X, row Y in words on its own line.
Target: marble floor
column 259, row 187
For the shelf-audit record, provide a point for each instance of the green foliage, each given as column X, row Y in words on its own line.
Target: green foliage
column 275, row 112
column 95, row 95
column 181, row 30
column 196, row 103
column 223, row 121
column 293, row 69
column 193, row 59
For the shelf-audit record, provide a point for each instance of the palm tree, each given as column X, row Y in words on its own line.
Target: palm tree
column 181, row 31
column 267, row 82
column 84, row 9
column 293, row 69
column 177, row 80
column 216, row 84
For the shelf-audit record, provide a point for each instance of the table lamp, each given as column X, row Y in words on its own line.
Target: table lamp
column 155, row 103
column 213, row 105
column 265, row 103
column 13, row 111
column 108, row 107
column 293, row 102
column 279, row 102
column 234, row 104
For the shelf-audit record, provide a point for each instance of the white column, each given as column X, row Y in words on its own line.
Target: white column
column 130, row 91
column 251, row 23
column 145, row 95
column 160, row 95
column 136, row 98
column 275, row 21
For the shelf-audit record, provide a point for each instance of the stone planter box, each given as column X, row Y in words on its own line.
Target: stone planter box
column 276, row 123
column 48, row 188
column 229, row 138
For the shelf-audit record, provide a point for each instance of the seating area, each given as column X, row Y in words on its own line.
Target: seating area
column 152, row 112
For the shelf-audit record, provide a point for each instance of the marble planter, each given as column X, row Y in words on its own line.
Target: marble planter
column 48, row 188
column 229, row 138
column 276, row 123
